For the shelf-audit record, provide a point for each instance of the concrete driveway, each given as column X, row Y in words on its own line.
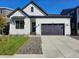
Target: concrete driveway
column 60, row 46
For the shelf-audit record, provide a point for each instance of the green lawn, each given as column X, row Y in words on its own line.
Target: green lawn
column 10, row 44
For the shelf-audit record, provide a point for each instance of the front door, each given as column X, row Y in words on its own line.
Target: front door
column 33, row 27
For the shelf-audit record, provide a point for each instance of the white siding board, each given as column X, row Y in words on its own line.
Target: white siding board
column 14, row 31
column 17, row 13
column 36, row 12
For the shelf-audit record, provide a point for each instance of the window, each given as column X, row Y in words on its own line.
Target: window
column 72, row 12
column 19, row 24
column 68, row 14
column 32, row 9
column 78, row 26
column 0, row 11
column 78, row 11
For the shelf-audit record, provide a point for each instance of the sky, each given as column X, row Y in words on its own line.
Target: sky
column 50, row 6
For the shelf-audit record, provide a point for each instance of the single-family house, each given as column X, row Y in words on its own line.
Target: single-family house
column 32, row 19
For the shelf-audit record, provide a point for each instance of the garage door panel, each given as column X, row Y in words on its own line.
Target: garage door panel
column 52, row 29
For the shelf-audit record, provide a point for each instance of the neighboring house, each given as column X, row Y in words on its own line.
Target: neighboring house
column 5, row 11
column 74, row 12
column 34, row 20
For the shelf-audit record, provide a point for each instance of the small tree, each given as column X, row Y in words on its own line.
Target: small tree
column 2, row 23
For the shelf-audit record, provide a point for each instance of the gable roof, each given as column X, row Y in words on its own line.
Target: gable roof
column 64, row 11
column 17, row 10
column 36, row 6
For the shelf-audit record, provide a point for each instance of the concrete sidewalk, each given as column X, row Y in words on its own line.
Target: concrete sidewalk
column 23, row 56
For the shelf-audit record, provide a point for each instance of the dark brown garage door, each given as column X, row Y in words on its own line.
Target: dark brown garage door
column 52, row 29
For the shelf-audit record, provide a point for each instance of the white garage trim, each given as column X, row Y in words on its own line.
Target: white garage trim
column 65, row 21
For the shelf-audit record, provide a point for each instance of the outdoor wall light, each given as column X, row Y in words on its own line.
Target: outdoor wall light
column 67, row 25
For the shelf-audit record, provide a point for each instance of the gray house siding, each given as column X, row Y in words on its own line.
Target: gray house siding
column 78, row 20
column 5, row 11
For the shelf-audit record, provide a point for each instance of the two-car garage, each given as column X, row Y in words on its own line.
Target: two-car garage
column 52, row 29
column 53, row 26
